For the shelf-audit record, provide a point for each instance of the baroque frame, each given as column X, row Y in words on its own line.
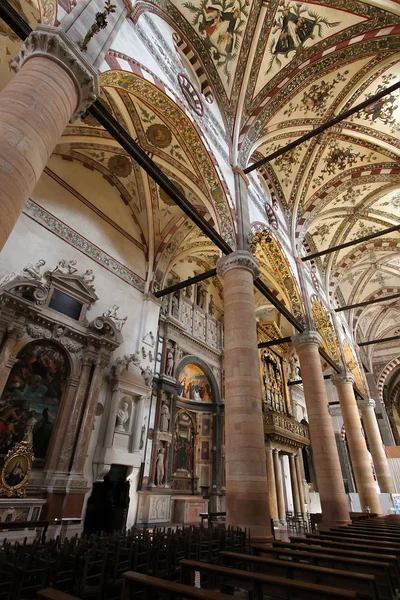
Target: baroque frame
column 20, row 450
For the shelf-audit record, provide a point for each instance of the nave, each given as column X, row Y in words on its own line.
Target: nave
column 358, row 561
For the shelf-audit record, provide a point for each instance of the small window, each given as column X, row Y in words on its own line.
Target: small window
column 66, row 305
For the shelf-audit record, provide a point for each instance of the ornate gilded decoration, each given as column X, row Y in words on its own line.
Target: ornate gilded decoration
column 325, row 329
column 285, row 431
column 354, row 368
column 17, row 470
column 268, row 331
column 100, row 22
column 271, row 258
column 272, row 381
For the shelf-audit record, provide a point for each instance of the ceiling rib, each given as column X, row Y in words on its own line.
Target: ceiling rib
column 323, row 127
column 366, row 238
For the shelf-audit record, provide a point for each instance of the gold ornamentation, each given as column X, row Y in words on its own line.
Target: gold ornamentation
column 325, row 329
column 353, row 366
column 17, row 470
column 99, row 23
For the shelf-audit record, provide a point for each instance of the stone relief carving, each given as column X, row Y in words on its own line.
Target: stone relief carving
column 149, row 339
column 41, row 332
column 111, row 313
column 53, row 43
column 65, row 267
column 127, row 359
column 31, row 271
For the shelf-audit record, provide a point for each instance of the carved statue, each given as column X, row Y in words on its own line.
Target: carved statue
column 164, row 305
column 111, row 313
column 211, row 306
column 127, row 359
column 169, row 369
column 165, row 416
column 201, row 296
column 88, row 278
column 31, row 271
column 188, row 292
column 65, row 267
column 160, row 466
column 147, row 375
column 294, row 374
column 175, row 306
column 122, row 416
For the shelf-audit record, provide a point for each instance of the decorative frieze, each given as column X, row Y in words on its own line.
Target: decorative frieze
column 285, row 431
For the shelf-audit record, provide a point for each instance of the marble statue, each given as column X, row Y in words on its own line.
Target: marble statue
column 88, row 278
column 165, row 416
column 211, row 306
column 122, row 416
column 160, row 466
column 65, row 267
column 188, row 292
column 294, row 373
column 111, row 313
column 31, row 271
column 164, row 305
column 147, row 375
column 175, row 306
column 169, row 369
column 201, row 296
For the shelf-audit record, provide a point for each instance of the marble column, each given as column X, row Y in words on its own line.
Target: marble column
column 359, row 456
column 376, row 446
column 89, row 413
column 273, row 503
column 295, row 485
column 279, row 487
column 333, row 498
column 247, row 495
column 300, row 484
column 11, row 337
column 65, row 457
column 54, row 83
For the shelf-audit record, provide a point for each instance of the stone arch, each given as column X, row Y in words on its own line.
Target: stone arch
column 195, row 360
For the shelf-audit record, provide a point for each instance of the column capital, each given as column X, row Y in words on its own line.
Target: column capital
column 366, row 403
column 52, row 43
column 306, row 337
column 335, row 411
column 345, row 377
column 241, row 259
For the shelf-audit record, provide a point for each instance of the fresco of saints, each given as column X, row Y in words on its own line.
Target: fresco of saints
column 220, row 27
column 294, row 31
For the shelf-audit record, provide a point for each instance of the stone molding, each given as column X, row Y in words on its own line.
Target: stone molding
column 306, row 337
column 52, row 43
column 366, row 403
column 241, row 259
column 242, row 174
column 346, row 377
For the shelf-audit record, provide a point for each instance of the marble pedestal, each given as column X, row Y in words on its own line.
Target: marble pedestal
column 186, row 509
column 153, row 509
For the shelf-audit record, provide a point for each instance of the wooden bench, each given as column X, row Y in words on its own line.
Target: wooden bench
column 380, row 569
column 362, row 583
column 51, row 594
column 138, row 585
column 210, row 517
column 259, row 583
column 393, row 540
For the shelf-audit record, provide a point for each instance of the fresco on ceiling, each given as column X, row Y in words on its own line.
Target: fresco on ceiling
column 295, row 23
column 339, row 158
column 5, row 29
column 220, row 23
column 193, row 384
column 29, row 403
column 316, row 98
column 383, row 110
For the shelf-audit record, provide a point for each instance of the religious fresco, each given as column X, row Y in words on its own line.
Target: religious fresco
column 194, row 385
column 220, row 24
column 29, row 403
column 183, row 445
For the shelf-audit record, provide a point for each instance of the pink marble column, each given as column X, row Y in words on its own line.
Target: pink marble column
column 273, row 503
column 86, row 426
column 376, row 446
column 335, row 510
column 280, row 498
column 247, row 498
column 300, row 484
column 360, row 460
column 295, row 485
column 53, row 83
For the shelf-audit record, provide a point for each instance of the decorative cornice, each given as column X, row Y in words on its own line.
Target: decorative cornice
column 52, row 43
column 366, row 403
column 306, row 337
column 339, row 378
column 241, row 259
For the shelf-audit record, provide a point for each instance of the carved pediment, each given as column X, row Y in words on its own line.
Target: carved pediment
column 74, row 285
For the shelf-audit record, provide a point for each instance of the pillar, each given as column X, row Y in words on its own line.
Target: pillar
column 376, row 446
column 279, row 487
column 247, row 499
column 54, row 83
column 300, row 484
column 11, row 337
column 333, row 498
column 359, row 456
column 295, row 485
column 273, row 503
column 88, row 417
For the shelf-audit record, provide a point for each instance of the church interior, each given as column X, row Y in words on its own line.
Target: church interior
column 200, row 334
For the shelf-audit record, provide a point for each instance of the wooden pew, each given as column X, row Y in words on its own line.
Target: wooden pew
column 380, row 569
column 362, row 583
column 393, row 540
column 211, row 517
column 138, row 585
column 259, row 583
column 51, row 594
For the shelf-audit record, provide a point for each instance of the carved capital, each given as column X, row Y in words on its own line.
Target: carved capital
column 53, row 44
column 306, row 337
column 241, row 259
column 346, row 377
column 366, row 403
column 335, row 411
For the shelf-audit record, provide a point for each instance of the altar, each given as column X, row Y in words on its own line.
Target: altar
column 186, row 509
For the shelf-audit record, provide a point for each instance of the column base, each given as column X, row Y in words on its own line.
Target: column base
column 326, row 525
column 261, row 539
